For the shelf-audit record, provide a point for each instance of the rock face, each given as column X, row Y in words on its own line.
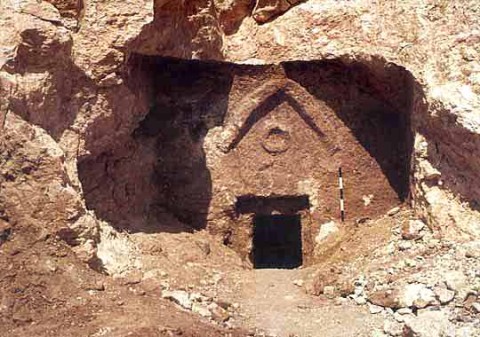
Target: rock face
column 97, row 123
column 69, row 81
column 266, row 10
column 254, row 141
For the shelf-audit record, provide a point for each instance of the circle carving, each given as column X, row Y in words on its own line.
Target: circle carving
column 276, row 141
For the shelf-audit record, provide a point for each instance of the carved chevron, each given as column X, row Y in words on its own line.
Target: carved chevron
column 260, row 103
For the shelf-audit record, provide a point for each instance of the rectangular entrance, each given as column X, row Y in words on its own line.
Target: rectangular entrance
column 277, row 241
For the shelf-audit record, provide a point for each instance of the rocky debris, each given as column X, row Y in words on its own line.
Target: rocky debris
column 218, row 311
column 443, row 293
column 418, row 273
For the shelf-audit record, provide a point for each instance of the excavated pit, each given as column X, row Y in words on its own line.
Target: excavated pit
column 252, row 152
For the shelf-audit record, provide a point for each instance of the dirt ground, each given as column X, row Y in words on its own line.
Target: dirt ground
column 276, row 305
column 46, row 291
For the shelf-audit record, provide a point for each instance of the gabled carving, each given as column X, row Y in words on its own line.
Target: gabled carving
column 259, row 104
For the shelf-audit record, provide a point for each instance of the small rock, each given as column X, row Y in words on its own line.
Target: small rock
column 298, row 283
column 404, row 245
column 196, row 297
column 433, row 243
column 204, row 246
column 398, row 317
column 429, row 172
column 138, row 291
column 374, row 309
column 319, row 282
column 393, row 211
column 392, row 328
column 410, row 263
column 417, row 295
column 362, row 220
column 329, row 291
column 412, row 229
column 444, row 295
column 201, row 309
column 472, row 249
column 455, row 280
column 468, row 301
column 218, row 313
column 405, row 311
column 385, row 298
column 178, row 296
column 429, row 324
column 132, row 277
column 377, row 333
column 96, row 285
column 326, row 230
column 389, row 311
column 390, row 249
column 425, row 298
column 345, row 288
column 225, row 305
column 360, row 300
column 476, row 307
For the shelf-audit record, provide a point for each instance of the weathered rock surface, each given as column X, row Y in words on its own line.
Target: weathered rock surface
column 71, row 101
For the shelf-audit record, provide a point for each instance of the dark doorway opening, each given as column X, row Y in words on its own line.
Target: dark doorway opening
column 277, row 241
